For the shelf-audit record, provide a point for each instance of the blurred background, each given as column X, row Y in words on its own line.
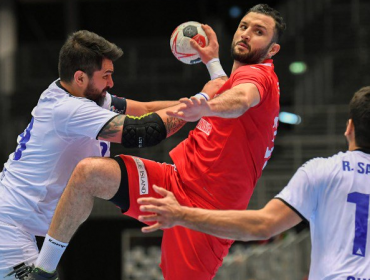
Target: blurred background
column 324, row 59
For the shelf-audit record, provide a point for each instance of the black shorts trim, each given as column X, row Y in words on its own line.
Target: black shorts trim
column 295, row 210
column 122, row 197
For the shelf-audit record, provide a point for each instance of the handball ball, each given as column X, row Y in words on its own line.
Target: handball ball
column 180, row 42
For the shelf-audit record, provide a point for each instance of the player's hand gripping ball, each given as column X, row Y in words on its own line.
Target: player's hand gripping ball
column 180, row 42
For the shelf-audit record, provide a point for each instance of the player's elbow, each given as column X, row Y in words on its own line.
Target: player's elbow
column 267, row 227
column 248, row 98
column 250, row 101
column 265, row 232
column 148, row 107
column 136, row 108
column 262, row 230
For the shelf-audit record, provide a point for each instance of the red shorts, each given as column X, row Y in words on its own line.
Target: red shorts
column 186, row 254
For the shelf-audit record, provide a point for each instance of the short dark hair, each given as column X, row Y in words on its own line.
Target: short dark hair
column 85, row 50
column 359, row 112
column 265, row 9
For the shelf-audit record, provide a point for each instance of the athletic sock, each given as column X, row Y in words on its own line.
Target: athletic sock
column 50, row 254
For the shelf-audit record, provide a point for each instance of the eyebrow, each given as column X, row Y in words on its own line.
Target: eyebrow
column 261, row 26
column 257, row 25
column 109, row 72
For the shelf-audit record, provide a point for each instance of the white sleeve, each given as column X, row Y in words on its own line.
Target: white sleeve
column 81, row 118
column 301, row 193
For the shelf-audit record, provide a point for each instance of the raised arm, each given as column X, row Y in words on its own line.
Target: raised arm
column 230, row 104
column 243, row 225
column 115, row 128
column 211, row 50
column 210, row 54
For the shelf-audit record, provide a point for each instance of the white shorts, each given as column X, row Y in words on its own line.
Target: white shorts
column 16, row 246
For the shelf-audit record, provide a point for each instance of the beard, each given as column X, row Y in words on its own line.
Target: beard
column 252, row 57
column 95, row 94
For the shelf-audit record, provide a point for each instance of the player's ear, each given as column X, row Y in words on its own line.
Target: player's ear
column 274, row 49
column 350, row 130
column 80, row 78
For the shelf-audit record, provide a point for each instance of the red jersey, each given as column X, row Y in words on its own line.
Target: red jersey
column 221, row 160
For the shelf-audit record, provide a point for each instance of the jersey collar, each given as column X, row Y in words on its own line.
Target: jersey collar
column 267, row 62
column 58, row 83
column 364, row 150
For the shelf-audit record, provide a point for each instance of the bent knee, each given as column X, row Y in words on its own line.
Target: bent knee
column 83, row 173
column 97, row 176
column 85, row 167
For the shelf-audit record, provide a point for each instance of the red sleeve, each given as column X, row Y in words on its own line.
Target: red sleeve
column 251, row 74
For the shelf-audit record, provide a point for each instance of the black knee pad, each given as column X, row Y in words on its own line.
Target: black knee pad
column 122, row 197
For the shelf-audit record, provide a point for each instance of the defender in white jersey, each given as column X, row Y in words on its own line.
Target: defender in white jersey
column 75, row 118
column 332, row 194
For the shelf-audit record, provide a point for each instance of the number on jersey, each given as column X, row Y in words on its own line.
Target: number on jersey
column 361, row 221
column 23, row 138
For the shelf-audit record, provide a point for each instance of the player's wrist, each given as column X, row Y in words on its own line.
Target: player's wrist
column 202, row 95
column 215, row 69
column 183, row 218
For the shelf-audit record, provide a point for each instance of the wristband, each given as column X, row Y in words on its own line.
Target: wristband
column 202, row 95
column 215, row 69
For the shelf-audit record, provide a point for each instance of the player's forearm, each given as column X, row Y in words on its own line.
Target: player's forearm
column 172, row 124
column 136, row 108
column 235, row 225
column 159, row 105
column 229, row 105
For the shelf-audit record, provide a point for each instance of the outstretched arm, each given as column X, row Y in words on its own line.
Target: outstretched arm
column 243, row 225
column 137, row 108
column 113, row 129
column 230, row 104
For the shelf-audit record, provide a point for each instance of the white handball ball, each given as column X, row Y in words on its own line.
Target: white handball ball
column 180, row 42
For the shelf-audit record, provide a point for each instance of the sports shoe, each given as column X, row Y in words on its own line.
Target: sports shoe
column 39, row 274
column 20, row 271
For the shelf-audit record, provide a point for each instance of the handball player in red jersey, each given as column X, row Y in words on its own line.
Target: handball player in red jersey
column 216, row 167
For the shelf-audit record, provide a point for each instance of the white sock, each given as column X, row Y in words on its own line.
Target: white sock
column 50, row 254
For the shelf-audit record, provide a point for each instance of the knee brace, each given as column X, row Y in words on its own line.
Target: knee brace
column 145, row 131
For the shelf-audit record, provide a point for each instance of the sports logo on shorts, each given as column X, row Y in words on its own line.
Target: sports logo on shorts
column 143, row 177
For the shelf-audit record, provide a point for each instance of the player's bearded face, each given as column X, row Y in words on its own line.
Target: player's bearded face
column 95, row 94
column 251, row 56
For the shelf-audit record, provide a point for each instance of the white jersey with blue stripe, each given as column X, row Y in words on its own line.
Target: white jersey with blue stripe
column 62, row 131
column 333, row 195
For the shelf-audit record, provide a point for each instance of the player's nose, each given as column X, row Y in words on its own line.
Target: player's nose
column 246, row 34
column 110, row 82
column 246, row 37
